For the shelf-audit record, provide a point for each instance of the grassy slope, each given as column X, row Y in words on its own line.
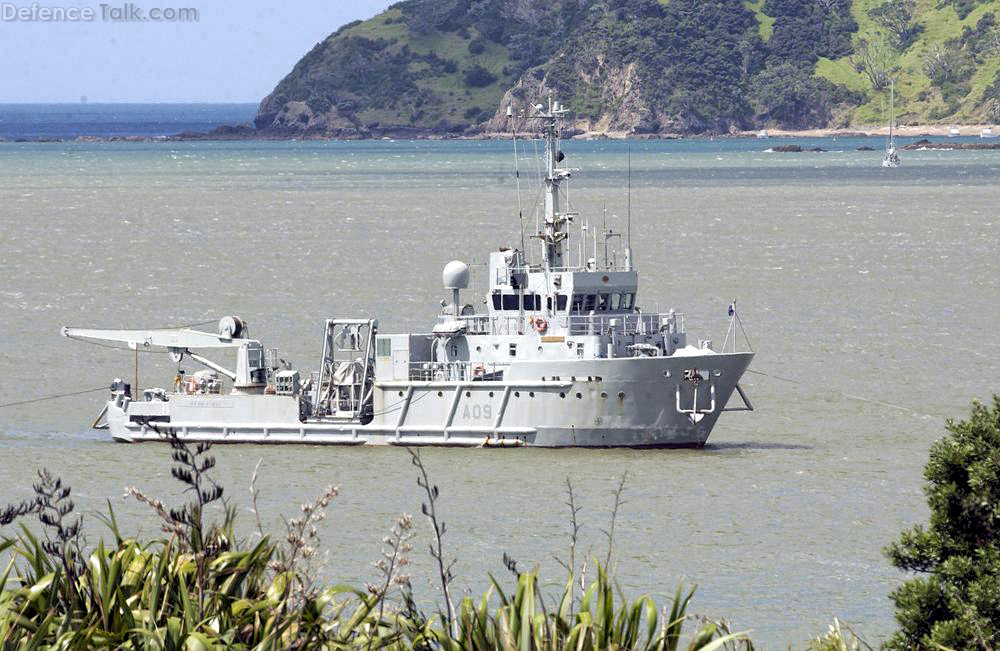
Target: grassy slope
column 940, row 24
column 455, row 97
column 764, row 22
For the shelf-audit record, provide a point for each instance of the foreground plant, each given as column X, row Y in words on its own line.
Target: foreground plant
column 955, row 600
column 201, row 587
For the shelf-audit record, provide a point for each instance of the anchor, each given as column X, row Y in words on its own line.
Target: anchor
column 693, row 376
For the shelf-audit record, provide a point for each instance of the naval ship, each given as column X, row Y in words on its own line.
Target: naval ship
column 562, row 356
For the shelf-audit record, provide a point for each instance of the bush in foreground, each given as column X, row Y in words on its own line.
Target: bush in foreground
column 955, row 603
column 201, row 587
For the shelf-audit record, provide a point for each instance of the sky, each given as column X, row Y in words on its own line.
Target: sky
column 234, row 52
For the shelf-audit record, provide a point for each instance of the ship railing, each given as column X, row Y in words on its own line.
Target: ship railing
column 503, row 274
column 576, row 324
column 599, row 323
column 456, row 371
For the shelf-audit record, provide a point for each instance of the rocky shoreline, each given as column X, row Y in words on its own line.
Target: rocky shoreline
column 927, row 144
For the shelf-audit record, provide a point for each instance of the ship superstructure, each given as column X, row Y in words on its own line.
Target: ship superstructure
column 562, row 356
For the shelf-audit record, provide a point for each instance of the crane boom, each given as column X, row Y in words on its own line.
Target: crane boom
column 160, row 339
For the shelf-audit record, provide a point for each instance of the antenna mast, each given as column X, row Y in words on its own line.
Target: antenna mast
column 552, row 233
column 517, row 174
column 628, row 223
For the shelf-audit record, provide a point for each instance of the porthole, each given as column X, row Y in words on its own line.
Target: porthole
column 604, row 394
column 621, row 395
column 579, row 395
column 440, row 395
column 468, row 394
column 479, row 349
column 400, row 394
column 517, row 394
column 531, row 394
column 717, row 372
column 666, row 373
column 491, row 394
column 562, row 394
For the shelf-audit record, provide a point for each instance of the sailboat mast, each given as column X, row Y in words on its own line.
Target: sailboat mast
column 892, row 107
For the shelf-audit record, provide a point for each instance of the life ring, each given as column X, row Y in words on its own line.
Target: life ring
column 540, row 324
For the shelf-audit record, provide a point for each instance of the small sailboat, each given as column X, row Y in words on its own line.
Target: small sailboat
column 987, row 133
column 891, row 156
column 953, row 132
column 762, row 134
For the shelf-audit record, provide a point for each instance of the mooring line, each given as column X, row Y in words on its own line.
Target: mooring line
column 52, row 397
column 849, row 396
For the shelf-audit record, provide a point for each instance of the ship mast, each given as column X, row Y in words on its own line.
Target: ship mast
column 553, row 233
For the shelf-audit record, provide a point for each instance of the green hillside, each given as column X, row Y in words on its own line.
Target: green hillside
column 451, row 67
column 947, row 68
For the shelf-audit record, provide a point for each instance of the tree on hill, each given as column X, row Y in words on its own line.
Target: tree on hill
column 785, row 94
column 873, row 58
column 896, row 17
column 955, row 602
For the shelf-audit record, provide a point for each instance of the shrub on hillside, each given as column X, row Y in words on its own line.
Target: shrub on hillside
column 479, row 77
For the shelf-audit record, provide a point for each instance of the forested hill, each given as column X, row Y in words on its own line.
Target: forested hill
column 427, row 67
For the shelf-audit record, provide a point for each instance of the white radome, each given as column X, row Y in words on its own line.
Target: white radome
column 455, row 275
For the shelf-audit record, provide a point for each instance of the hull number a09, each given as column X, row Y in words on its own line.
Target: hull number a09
column 478, row 412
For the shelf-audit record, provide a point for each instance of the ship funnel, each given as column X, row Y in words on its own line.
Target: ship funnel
column 455, row 275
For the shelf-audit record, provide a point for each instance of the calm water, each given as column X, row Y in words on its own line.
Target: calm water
column 871, row 294
column 68, row 121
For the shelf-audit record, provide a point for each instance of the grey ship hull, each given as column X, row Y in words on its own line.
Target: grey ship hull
column 620, row 402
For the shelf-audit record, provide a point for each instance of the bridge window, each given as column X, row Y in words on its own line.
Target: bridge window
column 577, row 304
column 628, row 301
column 589, row 303
column 616, row 301
column 513, row 302
column 561, row 300
column 603, row 302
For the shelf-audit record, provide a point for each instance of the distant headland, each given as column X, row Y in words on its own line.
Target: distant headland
column 438, row 69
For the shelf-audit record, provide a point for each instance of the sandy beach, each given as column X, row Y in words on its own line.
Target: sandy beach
column 922, row 130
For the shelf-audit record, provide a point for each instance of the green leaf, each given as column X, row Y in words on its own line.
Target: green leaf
column 198, row 642
column 720, row 642
column 40, row 586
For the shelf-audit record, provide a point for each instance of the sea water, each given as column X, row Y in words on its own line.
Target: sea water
column 870, row 295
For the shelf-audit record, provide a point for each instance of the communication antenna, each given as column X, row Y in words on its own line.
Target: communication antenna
column 517, row 174
column 628, row 225
column 604, row 229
